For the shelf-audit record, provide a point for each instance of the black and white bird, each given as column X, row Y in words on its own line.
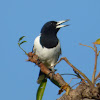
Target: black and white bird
column 47, row 45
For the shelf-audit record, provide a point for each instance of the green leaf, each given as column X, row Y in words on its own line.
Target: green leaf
column 21, row 42
column 97, row 41
column 41, row 89
column 21, row 38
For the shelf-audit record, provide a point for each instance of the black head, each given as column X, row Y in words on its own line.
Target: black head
column 50, row 28
column 49, row 33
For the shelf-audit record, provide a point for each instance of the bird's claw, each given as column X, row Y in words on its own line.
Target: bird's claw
column 52, row 69
column 53, row 73
column 38, row 61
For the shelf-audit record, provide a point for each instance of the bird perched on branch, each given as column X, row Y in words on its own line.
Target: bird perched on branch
column 47, row 46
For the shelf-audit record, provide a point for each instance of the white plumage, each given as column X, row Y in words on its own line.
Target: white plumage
column 48, row 56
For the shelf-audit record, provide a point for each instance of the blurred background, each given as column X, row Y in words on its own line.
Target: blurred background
column 26, row 18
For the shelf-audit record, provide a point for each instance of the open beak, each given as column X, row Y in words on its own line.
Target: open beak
column 60, row 22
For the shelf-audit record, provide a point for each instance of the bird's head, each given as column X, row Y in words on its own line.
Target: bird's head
column 52, row 27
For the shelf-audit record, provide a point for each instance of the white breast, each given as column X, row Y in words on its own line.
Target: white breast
column 48, row 56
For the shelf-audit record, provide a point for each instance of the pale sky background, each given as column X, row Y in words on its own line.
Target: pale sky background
column 26, row 17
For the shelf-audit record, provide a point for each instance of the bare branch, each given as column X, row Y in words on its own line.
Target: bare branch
column 95, row 65
column 89, row 82
column 98, row 53
column 57, row 77
column 98, row 76
column 87, row 46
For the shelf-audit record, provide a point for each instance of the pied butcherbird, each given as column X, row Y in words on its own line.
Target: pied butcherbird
column 47, row 45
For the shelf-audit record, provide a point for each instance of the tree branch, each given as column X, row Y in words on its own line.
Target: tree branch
column 98, row 76
column 57, row 77
column 95, row 65
column 75, row 69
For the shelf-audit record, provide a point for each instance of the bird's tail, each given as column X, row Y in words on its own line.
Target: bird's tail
column 41, row 77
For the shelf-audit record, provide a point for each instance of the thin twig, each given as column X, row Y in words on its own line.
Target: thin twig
column 75, row 84
column 69, row 74
column 72, row 79
column 98, row 76
column 87, row 46
column 89, row 82
column 98, row 80
column 95, row 65
column 23, row 50
column 98, row 53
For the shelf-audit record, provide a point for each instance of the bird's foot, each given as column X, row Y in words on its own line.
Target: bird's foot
column 38, row 61
column 52, row 74
column 52, row 70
